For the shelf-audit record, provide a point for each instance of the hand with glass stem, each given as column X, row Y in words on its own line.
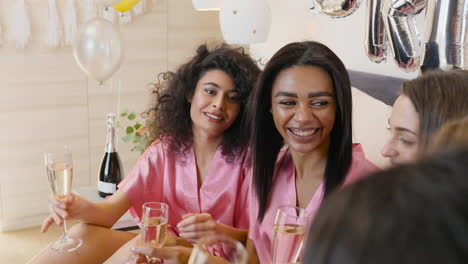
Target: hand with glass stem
column 75, row 207
column 194, row 226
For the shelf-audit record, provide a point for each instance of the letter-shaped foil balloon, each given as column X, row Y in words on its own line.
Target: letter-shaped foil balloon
column 337, row 8
column 446, row 40
column 376, row 42
column 402, row 32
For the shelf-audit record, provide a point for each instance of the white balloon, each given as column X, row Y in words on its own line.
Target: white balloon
column 99, row 49
column 245, row 21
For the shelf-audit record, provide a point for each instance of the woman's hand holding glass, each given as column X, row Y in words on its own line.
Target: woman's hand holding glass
column 154, row 221
column 59, row 171
column 194, row 226
column 218, row 249
column 166, row 254
column 229, row 251
column 73, row 207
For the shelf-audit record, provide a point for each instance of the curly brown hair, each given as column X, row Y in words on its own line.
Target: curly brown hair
column 171, row 110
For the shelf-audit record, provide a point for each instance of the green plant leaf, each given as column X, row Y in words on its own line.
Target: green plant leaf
column 137, row 126
column 131, row 116
column 116, row 124
column 129, row 130
column 149, row 122
column 127, row 138
column 140, row 148
column 123, row 114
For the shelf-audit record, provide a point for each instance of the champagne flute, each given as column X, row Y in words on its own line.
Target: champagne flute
column 59, row 170
column 218, row 249
column 155, row 216
column 289, row 231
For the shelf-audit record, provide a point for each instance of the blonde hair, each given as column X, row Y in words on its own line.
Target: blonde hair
column 453, row 134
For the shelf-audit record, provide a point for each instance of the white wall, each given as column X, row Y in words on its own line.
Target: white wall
column 291, row 21
column 45, row 100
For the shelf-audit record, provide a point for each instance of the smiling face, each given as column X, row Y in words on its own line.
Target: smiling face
column 402, row 146
column 215, row 104
column 303, row 107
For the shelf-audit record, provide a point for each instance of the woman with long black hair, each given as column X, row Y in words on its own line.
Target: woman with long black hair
column 301, row 136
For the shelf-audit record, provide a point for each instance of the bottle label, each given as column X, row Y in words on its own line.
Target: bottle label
column 107, row 187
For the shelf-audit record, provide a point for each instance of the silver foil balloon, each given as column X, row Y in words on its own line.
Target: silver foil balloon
column 337, row 8
column 400, row 25
column 99, row 49
column 376, row 42
column 446, row 40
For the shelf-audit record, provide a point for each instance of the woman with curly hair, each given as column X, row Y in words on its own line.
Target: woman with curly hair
column 195, row 164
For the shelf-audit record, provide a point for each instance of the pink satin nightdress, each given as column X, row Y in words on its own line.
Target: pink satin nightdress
column 283, row 192
column 163, row 175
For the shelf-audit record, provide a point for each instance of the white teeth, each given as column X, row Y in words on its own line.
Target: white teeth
column 212, row 116
column 303, row 133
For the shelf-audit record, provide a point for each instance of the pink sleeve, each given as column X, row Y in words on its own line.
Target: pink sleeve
column 145, row 181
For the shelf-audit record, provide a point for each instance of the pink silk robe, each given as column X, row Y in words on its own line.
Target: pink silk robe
column 283, row 192
column 162, row 175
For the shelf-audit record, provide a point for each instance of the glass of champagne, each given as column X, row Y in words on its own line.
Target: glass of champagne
column 59, row 170
column 218, row 249
column 289, row 231
column 154, row 219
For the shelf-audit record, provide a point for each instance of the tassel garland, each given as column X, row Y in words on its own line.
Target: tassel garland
column 21, row 30
column 69, row 22
column 109, row 13
column 54, row 30
column 89, row 10
column 1, row 40
column 143, row 7
column 62, row 28
column 126, row 17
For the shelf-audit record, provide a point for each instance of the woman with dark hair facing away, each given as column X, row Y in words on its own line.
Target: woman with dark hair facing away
column 302, row 100
column 411, row 213
column 424, row 105
column 195, row 164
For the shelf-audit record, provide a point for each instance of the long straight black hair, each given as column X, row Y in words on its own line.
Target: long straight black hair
column 266, row 141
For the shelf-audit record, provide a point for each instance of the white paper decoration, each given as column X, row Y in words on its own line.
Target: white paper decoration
column 21, row 30
column 62, row 28
column 207, row 5
column 70, row 26
column 110, row 14
column 54, row 29
column 89, row 10
column 125, row 17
